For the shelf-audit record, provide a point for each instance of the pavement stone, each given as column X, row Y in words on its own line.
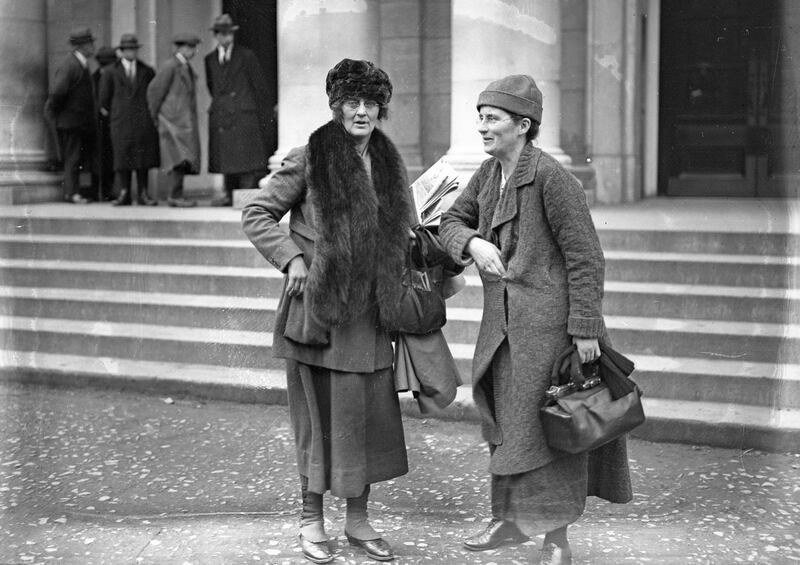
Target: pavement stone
column 92, row 476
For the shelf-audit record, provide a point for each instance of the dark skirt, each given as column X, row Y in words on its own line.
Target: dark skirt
column 539, row 500
column 348, row 428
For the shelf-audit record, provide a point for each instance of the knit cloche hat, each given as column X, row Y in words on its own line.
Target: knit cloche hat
column 351, row 78
column 514, row 93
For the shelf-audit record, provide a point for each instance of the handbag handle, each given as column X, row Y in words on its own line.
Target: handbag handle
column 567, row 360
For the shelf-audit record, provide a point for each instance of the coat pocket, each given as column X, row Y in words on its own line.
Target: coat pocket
column 301, row 327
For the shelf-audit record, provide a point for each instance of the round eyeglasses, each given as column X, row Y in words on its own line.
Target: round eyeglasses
column 354, row 104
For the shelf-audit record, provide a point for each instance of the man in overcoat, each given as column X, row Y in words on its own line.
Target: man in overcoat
column 172, row 100
column 104, row 179
column 71, row 105
column 123, row 98
column 237, row 86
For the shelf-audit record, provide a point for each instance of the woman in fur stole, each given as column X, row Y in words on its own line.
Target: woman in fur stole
column 343, row 255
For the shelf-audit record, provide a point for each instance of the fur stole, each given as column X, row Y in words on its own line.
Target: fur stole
column 362, row 226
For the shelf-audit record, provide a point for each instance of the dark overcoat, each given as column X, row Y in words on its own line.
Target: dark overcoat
column 238, row 89
column 553, row 290
column 134, row 137
column 72, row 100
column 172, row 102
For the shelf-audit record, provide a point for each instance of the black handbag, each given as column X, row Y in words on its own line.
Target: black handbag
column 597, row 404
column 422, row 309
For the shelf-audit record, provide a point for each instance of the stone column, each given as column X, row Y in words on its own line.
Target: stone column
column 312, row 37
column 495, row 38
column 23, row 91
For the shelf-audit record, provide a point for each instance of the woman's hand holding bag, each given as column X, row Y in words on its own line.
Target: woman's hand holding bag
column 422, row 308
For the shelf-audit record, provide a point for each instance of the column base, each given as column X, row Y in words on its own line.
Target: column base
column 30, row 187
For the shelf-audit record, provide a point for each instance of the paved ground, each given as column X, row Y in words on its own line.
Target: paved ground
column 96, row 477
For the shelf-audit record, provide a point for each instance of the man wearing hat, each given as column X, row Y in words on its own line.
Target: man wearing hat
column 123, row 97
column 237, row 86
column 172, row 102
column 72, row 106
column 104, row 179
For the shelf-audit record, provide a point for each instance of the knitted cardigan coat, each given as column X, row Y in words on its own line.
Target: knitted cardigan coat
column 553, row 290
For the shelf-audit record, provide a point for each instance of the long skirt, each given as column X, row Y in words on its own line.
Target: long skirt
column 539, row 500
column 348, row 428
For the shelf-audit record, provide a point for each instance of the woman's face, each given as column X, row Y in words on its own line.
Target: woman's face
column 360, row 116
column 501, row 136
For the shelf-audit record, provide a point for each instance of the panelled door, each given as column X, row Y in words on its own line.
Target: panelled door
column 728, row 98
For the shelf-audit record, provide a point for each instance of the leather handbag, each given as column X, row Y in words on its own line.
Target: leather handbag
column 422, row 307
column 597, row 404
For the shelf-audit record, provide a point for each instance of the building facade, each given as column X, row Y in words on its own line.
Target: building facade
column 642, row 98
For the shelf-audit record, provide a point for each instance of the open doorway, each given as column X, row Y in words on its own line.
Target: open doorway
column 258, row 31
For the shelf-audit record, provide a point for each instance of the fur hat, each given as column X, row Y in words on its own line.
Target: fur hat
column 351, row 78
column 514, row 93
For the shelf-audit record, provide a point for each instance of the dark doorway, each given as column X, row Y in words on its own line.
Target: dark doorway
column 728, row 112
column 258, row 30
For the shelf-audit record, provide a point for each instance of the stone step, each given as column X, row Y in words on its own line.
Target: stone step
column 695, row 422
column 163, row 222
column 671, row 268
column 703, row 269
column 720, row 424
column 699, row 241
column 742, row 341
column 244, row 341
column 773, row 305
column 263, row 281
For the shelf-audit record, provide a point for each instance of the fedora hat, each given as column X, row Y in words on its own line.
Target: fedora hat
column 224, row 24
column 129, row 41
column 81, row 35
column 106, row 55
column 185, row 39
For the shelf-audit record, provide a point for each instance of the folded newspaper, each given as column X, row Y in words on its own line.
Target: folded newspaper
column 434, row 191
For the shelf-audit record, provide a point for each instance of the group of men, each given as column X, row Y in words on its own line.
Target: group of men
column 150, row 118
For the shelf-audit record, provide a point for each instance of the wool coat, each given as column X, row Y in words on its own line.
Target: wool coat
column 72, row 100
column 361, row 345
column 172, row 101
column 552, row 290
column 235, row 118
column 134, row 138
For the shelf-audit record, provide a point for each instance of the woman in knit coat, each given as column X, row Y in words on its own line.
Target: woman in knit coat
column 343, row 255
column 524, row 221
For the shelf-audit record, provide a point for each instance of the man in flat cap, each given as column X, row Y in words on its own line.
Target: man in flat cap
column 123, row 97
column 238, row 88
column 72, row 107
column 172, row 100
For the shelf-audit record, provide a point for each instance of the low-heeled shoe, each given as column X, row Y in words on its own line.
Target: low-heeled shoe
column 553, row 554
column 316, row 551
column 376, row 549
column 496, row 533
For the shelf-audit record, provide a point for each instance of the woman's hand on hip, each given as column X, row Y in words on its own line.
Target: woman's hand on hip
column 486, row 256
column 588, row 349
column 297, row 273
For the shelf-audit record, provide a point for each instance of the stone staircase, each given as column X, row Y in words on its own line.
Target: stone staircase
column 178, row 301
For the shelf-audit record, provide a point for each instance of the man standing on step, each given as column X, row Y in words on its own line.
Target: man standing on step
column 123, row 98
column 71, row 105
column 171, row 97
column 237, row 86
column 103, row 181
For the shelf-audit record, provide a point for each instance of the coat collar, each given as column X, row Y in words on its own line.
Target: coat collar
column 523, row 175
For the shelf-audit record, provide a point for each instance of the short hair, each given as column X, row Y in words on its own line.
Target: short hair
column 533, row 131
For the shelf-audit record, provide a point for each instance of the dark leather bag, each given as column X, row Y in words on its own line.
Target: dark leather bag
column 422, row 308
column 596, row 404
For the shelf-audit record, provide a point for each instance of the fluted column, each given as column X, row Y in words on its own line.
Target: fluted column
column 312, row 37
column 23, row 90
column 495, row 38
